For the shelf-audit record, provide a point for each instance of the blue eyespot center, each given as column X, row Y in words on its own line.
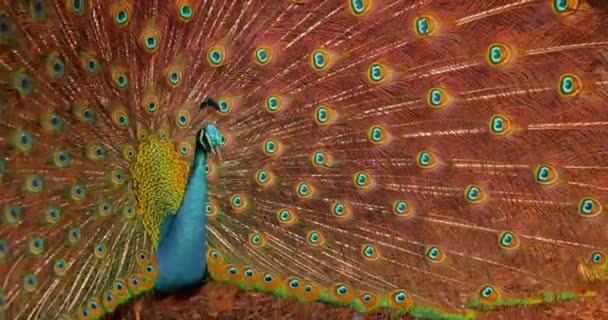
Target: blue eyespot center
column 596, row 257
column 423, row 26
column 294, row 283
column 322, row 115
column 376, row 72
column 92, row 65
column 487, row 291
column 358, row 6
column 400, row 296
column 185, row 11
column 507, row 239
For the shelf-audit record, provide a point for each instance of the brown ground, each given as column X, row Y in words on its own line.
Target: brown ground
column 218, row 301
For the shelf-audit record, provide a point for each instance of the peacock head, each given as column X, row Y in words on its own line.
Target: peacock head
column 211, row 139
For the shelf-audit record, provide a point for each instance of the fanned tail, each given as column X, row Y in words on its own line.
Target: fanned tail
column 434, row 158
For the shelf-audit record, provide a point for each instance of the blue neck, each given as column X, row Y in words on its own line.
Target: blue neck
column 182, row 250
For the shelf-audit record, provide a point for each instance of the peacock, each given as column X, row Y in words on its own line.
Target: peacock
column 436, row 159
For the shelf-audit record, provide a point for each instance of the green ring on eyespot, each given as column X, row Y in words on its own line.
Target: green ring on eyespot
column 319, row 60
column 267, row 277
column 543, row 173
column 185, row 11
column 13, row 213
column 55, row 121
column 368, row 251
column 122, row 81
column 424, row 158
column 88, row 115
column 319, row 158
column 435, row 97
column 495, row 55
column 77, row 6
column 151, row 42
column 23, row 84
column 304, row 189
column 400, row 296
column 270, row 147
column 262, row 55
column 249, row 273
column 308, row 288
column 586, row 206
column 237, row 201
column 256, row 239
column 262, row 176
column 313, row 237
column 100, row 152
column 58, row 68
column 596, row 257
column 152, row 107
column 30, row 283
column 433, row 253
column 342, row 290
column 567, row 85
column 223, row 106
column 54, row 214
column 473, row 193
column 215, row 57
column 506, row 239
column 24, row 141
column 34, row 184
column 361, row 179
column 272, row 103
column 92, row 65
column 174, row 78
column 367, row 297
column 375, row 72
column 74, row 235
column 422, row 26
column 284, row 216
column 358, row 6
column 322, row 115
column 121, row 17
column 339, row 208
column 560, row 5
column 498, row 124
column 487, row 291
column 182, row 120
column 232, row 270
column 400, row 206
column 376, row 134
column 294, row 283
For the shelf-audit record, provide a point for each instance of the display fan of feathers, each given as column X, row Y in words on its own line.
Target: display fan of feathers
column 436, row 158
